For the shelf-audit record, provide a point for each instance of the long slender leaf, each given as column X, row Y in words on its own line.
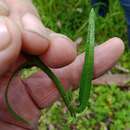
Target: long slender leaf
column 87, row 72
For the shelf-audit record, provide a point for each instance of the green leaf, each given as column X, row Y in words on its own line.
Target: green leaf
column 87, row 72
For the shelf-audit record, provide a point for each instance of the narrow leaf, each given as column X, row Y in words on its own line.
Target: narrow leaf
column 87, row 71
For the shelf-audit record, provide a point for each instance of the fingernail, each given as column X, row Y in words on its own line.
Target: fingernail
column 33, row 24
column 4, row 10
column 4, row 35
column 60, row 37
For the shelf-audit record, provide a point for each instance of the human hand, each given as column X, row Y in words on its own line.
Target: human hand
column 20, row 29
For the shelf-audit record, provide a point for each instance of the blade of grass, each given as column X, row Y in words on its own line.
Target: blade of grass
column 87, row 71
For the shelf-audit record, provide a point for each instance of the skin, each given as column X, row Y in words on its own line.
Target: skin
column 21, row 30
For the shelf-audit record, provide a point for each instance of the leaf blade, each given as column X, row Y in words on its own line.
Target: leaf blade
column 87, row 71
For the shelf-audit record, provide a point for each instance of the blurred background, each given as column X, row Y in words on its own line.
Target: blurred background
column 110, row 102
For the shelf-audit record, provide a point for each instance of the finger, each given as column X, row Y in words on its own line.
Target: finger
column 10, row 43
column 6, row 126
column 4, row 9
column 18, row 11
column 108, row 58
column 44, row 92
column 39, row 40
column 105, row 57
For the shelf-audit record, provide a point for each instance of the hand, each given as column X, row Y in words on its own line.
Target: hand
column 21, row 29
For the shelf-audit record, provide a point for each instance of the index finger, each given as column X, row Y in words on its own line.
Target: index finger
column 55, row 50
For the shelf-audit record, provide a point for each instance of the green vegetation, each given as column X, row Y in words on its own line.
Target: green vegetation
column 87, row 71
column 109, row 106
column 109, row 109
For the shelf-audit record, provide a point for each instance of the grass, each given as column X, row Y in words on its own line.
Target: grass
column 110, row 107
